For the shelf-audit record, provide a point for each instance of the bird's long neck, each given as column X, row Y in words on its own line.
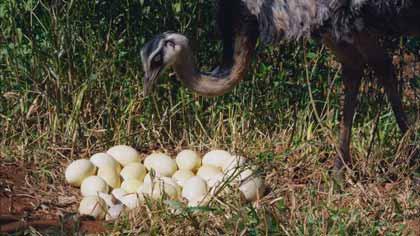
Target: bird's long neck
column 218, row 83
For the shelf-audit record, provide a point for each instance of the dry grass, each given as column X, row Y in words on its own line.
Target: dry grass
column 75, row 90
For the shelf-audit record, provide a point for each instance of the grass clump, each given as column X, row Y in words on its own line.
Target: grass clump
column 70, row 85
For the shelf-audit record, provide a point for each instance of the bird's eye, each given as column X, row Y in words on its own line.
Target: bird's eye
column 170, row 43
column 157, row 58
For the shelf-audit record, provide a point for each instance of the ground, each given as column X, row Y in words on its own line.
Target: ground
column 26, row 204
column 300, row 192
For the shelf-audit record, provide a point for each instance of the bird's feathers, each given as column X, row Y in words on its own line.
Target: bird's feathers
column 293, row 19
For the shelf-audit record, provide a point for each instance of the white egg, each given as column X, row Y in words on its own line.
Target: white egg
column 232, row 167
column 188, row 160
column 215, row 181
column 252, row 188
column 245, row 174
column 163, row 164
column 110, row 175
column 124, row 154
column 119, row 193
column 133, row 171
column 93, row 206
column 93, row 185
column 132, row 200
column 79, row 170
column 208, row 172
column 194, row 187
column 180, row 176
column 102, row 159
column 131, row 185
column 217, row 158
column 114, row 212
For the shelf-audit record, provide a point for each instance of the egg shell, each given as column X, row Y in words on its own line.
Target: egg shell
column 233, row 166
column 103, row 159
column 119, row 193
column 217, row 158
column 200, row 201
column 194, row 187
column 180, row 176
column 108, row 199
column 93, row 206
column 79, row 170
column 114, row 212
column 131, row 185
column 159, row 189
column 163, row 164
column 208, row 172
column 215, row 181
column 133, row 171
column 110, row 175
column 246, row 174
column 188, row 160
column 252, row 189
column 93, row 185
column 132, row 200
column 124, row 154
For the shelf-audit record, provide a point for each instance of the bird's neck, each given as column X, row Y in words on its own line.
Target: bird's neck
column 218, row 83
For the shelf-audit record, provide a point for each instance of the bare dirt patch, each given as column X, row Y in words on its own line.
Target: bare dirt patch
column 26, row 203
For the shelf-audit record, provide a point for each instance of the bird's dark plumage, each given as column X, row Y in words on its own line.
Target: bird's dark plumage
column 293, row 19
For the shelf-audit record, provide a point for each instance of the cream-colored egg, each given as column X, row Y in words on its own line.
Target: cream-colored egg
column 133, row 171
column 159, row 189
column 114, row 212
column 252, row 188
column 246, row 174
column 93, row 206
column 79, row 170
column 208, row 172
column 93, row 185
column 194, row 188
column 132, row 200
column 110, row 175
column 148, row 180
column 162, row 164
column 217, row 158
column 103, row 159
column 234, row 166
column 119, row 193
column 215, row 181
column 188, row 160
column 131, row 185
column 124, row 154
column 180, row 176
column 172, row 182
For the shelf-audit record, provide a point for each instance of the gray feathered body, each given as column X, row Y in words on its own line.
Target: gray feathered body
column 294, row 19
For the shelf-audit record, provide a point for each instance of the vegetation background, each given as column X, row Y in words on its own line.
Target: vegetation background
column 71, row 85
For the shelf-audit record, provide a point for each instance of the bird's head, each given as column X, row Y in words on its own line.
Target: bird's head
column 158, row 54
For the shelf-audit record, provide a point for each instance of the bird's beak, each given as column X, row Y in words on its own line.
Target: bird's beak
column 149, row 81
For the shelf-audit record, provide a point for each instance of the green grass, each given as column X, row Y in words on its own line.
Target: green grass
column 70, row 85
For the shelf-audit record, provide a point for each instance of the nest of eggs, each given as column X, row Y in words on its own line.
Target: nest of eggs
column 117, row 180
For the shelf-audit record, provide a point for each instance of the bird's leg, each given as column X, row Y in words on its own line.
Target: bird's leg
column 352, row 68
column 352, row 76
column 381, row 63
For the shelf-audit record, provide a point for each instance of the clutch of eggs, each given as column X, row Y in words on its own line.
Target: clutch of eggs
column 117, row 179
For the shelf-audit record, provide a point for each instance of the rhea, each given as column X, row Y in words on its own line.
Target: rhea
column 351, row 29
